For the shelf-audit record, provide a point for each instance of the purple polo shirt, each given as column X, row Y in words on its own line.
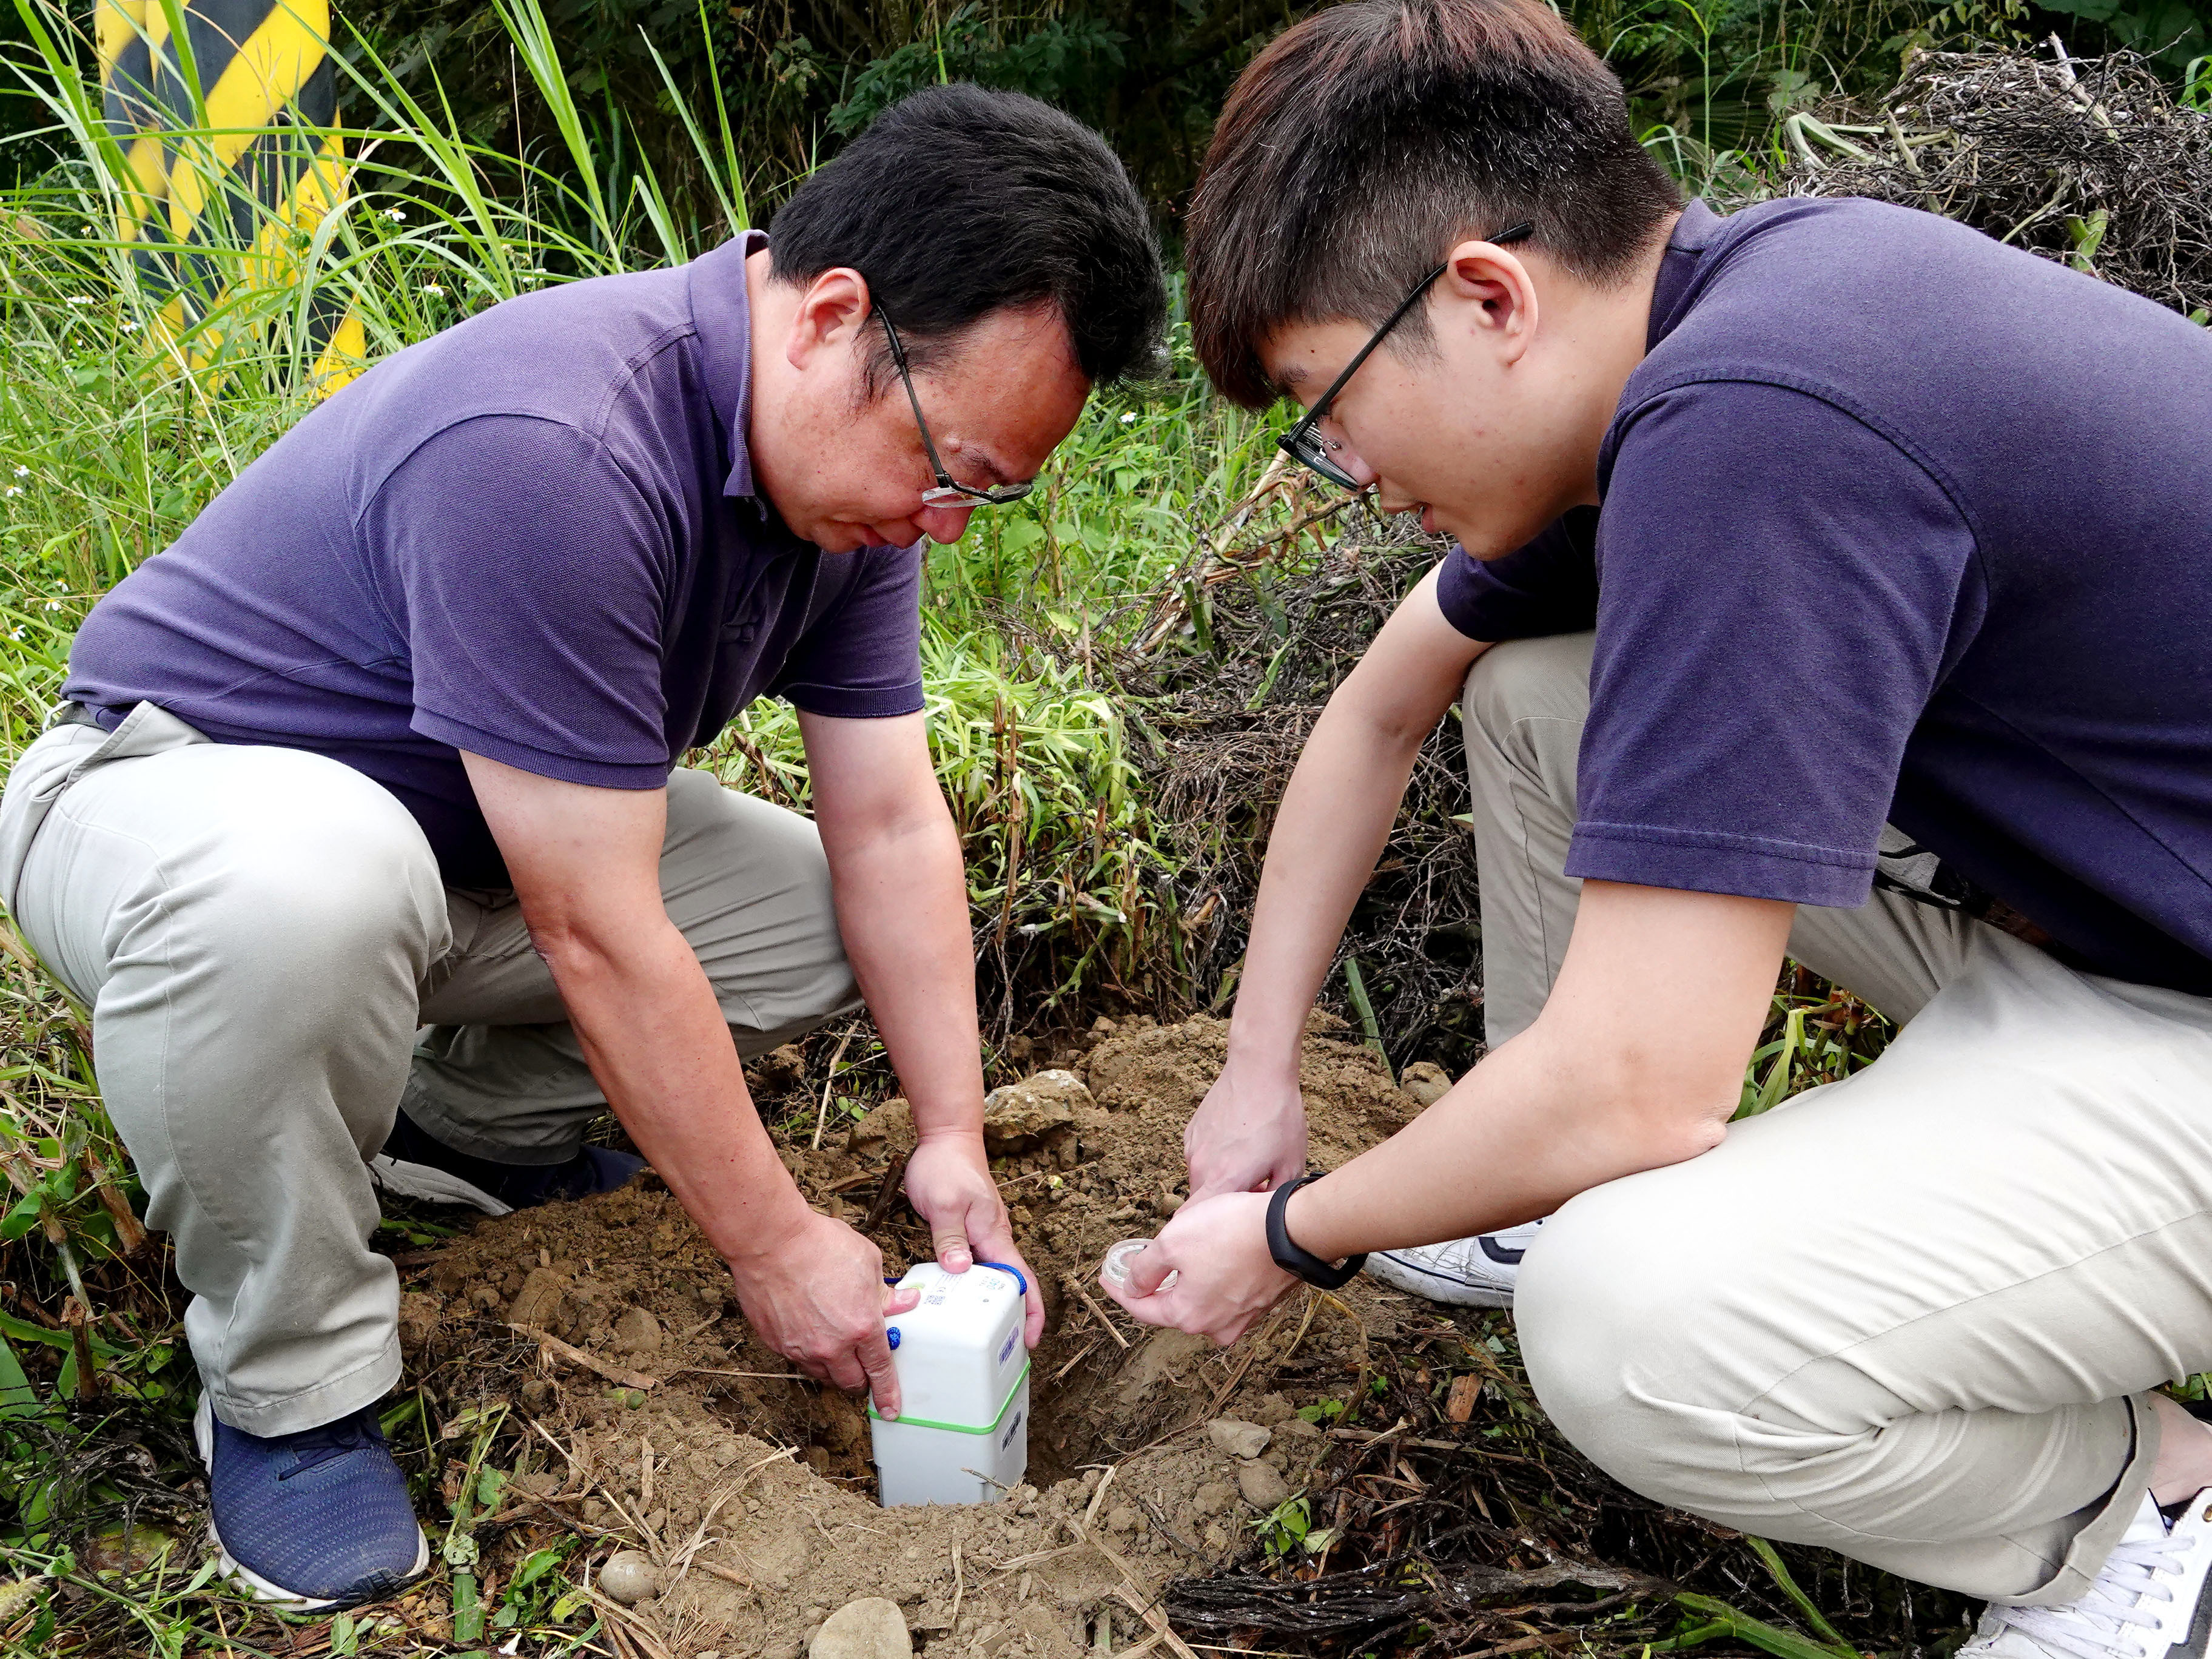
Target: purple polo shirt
column 535, row 536
column 1896, row 523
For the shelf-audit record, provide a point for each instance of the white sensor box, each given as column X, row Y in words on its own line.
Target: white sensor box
column 962, row 1434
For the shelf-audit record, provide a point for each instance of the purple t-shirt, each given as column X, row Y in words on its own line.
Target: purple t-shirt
column 535, row 536
column 1896, row 523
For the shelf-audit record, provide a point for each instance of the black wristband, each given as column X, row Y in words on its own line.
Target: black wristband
column 1293, row 1260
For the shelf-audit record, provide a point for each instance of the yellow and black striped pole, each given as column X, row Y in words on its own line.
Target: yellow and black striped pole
column 221, row 186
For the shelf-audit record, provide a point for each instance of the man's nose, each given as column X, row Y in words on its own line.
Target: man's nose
column 945, row 524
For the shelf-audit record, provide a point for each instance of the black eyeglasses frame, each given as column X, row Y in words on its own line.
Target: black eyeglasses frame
column 1303, row 443
column 949, row 491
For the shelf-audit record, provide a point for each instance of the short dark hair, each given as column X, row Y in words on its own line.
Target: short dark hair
column 1364, row 143
column 959, row 201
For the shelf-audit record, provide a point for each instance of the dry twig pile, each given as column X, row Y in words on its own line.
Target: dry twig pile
column 2090, row 161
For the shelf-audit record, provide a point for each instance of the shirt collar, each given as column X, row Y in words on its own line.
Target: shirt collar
column 1694, row 232
column 722, row 314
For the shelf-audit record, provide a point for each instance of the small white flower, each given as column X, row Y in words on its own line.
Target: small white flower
column 23, row 471
column 395, row 215
column 128, row 326
column 433, row 290
column 14, row 633
column 12, row 489
column 53, row 605
column 80, row 299
column 1128, row 415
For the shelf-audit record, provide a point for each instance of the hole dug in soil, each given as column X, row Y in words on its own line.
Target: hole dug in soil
column 751, row 1488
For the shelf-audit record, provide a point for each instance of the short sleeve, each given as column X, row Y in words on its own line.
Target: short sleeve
column 1779, row 586
column 862, row 660
column 533, row 575
column 1549, row 586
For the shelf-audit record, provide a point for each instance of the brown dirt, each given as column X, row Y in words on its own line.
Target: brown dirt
column 761, row 1480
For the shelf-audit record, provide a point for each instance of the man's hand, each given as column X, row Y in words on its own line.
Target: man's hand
column 1219, row 1247
column 948, row 1181
column 817, row 1297
column 1248, row 1134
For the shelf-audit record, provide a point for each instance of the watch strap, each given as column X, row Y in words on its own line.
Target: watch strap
column 1304, row 1263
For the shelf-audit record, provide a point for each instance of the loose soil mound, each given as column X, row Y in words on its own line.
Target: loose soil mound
column 751, row 1488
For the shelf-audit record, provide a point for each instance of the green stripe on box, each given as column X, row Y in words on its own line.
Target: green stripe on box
column 990, row 1427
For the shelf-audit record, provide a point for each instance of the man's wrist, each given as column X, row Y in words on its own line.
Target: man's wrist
column 765, row 1231
column 1322, row 1267
column 1260, row 1047
column 1305, row 1219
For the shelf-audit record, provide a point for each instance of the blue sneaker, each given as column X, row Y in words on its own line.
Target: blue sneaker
column 313, row 1520
column 416, row 1164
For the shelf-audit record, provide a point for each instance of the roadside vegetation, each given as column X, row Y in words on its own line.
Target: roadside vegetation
column 1119, row 667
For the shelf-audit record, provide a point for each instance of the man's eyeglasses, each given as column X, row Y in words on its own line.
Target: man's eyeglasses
column 1303, row 443
column 949, row 492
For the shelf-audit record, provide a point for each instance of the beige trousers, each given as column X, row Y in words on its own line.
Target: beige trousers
column 259, row 933
column 1910, row 1316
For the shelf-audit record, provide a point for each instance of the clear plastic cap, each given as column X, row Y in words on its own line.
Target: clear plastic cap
column 1115, row 1270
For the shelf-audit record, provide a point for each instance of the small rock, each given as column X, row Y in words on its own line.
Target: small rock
column 537, row 1394
column 779, row 1068
column 870, row 1628
column 1103, row 1027
column 1217, row 1536
column 1297, row 1428
column 783, row 1650
column 1036, row 1111
column 1236, row 1439
column 637, row 1332
column 1263, row 1487
column 1215, row 1497
column 629, row 1577
column 1426, row 1082
column 889, row 1124
column 418, row 1320
column 537, row 1303
column 1121, row 1518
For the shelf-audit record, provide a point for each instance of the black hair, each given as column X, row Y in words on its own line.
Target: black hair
column 959, row 201
column 1366, row 141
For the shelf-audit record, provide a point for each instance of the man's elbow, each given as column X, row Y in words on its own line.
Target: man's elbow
column 1655, row 1115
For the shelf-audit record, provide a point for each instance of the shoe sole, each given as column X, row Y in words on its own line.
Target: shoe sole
column 259, row 1589
column 1433, row 1286
column 431, row 1185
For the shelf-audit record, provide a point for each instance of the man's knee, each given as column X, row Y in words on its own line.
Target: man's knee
column 331, row 879
column 1610, row 1326
column 1544, row 678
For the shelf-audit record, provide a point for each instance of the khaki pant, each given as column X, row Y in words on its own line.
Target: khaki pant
column 259, row 932
column 1910, row 1316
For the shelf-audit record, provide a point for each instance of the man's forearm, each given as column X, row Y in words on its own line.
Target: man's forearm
column 902, row 909
column 1581, row 1097
column 1524, row 1132
column 657, row 1041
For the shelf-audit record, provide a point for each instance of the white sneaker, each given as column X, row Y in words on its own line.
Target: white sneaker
column 2148, row 1601
column 1466, row 1273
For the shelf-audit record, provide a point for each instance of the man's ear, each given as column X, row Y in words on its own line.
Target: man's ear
column 831, row 313
column 1495, row 296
